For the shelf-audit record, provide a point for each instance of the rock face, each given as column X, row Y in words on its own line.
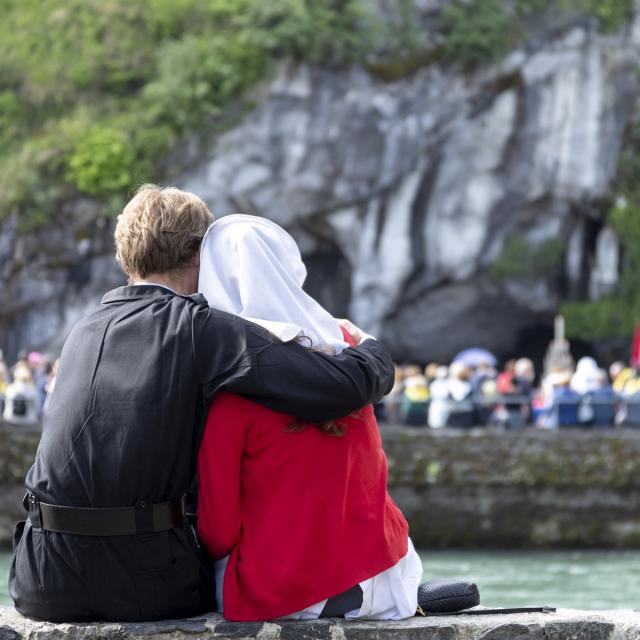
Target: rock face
column 407, row 192
column 51, row 278
column 402, row 195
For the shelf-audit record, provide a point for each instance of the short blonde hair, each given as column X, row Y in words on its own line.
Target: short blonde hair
column 160, row 230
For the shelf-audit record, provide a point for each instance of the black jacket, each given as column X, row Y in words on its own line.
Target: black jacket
column 124, row 423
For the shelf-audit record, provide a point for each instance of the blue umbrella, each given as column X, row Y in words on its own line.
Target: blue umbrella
column 476, row 356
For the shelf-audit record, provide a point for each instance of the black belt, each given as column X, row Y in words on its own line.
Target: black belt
column 344, row 602
column 118, row 521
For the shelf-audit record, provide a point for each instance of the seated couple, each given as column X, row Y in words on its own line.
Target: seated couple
column 252, row 387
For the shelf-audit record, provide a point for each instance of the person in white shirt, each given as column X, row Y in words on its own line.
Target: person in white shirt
column 21, row 401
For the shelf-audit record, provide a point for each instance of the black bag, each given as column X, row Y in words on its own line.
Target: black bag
column 445, row 595
column 20, row 406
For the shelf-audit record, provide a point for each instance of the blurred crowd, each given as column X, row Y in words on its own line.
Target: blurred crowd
column 461, row 394
column 25, row 388
column 480, row 394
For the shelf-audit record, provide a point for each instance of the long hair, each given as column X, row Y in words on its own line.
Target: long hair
column 330, row 427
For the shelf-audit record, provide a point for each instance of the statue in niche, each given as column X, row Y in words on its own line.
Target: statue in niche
column 604, row 275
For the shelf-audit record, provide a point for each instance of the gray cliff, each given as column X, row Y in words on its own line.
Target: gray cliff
column 405, row 196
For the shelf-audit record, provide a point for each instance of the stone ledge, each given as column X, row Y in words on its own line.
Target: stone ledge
column 566, row 624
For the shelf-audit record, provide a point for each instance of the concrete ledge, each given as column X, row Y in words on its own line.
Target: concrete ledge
column 564, row 625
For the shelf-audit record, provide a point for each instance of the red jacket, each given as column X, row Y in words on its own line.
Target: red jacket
column 304, row 515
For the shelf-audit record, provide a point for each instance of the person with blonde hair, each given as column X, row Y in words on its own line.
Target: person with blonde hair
column 106, row 536
column 415, row 401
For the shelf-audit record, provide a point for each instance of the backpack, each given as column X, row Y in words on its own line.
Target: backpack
column 20, row 406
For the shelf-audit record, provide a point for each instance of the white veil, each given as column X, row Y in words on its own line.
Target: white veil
column 251, row 267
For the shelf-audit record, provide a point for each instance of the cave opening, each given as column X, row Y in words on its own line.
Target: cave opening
column 329, row 278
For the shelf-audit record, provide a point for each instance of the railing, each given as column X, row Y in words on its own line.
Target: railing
column 623, row 412
column 514, row 411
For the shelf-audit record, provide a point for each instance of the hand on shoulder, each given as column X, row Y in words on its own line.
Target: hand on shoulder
column 358, row 335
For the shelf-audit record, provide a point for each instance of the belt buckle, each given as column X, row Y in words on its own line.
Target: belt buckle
column 33, row 507
column 144, row 517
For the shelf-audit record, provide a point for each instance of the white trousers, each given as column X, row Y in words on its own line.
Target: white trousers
column 391, row 595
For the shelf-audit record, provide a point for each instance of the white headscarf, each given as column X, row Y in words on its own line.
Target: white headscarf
column 251, row 267
column 586, row 378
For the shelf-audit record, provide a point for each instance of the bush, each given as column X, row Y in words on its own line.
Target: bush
column 610, row 317
column 520, row 259
column 476, row 32
column 30, row 186
column 11, row 118
column 198, row 76
column 102, row 163
column 612, row 13
column 59, row 51
column 616, row 315
column 330, row 33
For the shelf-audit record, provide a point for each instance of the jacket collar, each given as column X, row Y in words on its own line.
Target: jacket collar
column 141, row 291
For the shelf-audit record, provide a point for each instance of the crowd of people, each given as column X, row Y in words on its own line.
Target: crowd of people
column 454, row 395
column 25, row 388
column 462, row 395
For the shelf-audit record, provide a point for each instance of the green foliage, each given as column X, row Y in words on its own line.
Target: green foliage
column 330, row 32
column 58, row 50
column 612, row 13
column 198, row 76
column 476, row 32
column 616, row 315
column 521, row 259
column 93, row 93
column 11, row 118
column 609, row 317
column 102, row 162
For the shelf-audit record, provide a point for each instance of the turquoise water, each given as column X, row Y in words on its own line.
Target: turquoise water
column 576, row 579
column 5, row 559
column 570, row 579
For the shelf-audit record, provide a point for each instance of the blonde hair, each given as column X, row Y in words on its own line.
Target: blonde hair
column 160, row 230
column 22, row 374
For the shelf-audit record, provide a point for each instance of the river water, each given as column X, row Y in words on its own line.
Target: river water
column 574, row 579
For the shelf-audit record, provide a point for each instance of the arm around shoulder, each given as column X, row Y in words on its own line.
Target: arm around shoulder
column 242, row 357
column 317, row 387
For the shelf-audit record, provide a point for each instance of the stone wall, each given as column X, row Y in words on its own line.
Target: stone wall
column 478, row 488
column 517, row 489
column 579, row 625
column 17, row 450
